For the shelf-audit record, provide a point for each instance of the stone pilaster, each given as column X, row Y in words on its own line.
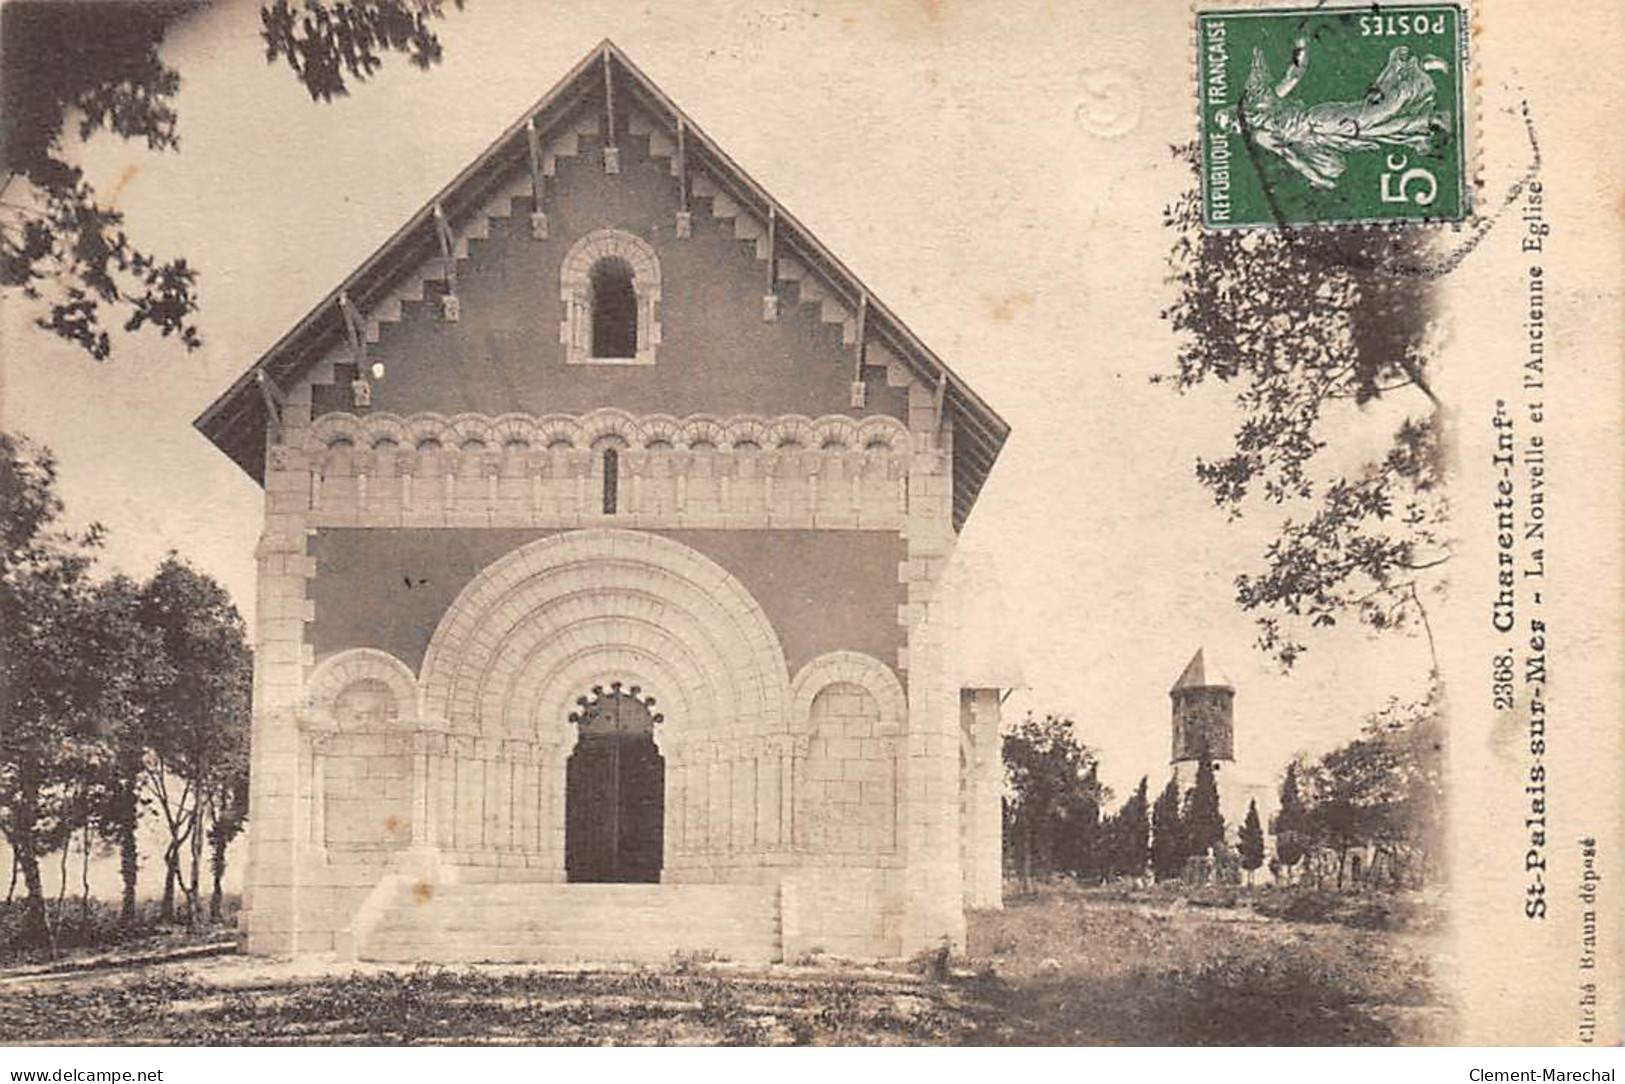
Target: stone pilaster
column 278, row 788
column 983, row 825
column 933, row 889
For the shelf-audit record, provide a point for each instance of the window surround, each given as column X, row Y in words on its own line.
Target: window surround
column 575, row 292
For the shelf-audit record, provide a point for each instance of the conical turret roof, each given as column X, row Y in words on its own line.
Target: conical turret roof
column 1199, row 675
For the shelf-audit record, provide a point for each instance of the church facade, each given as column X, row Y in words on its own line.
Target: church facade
column 597, row 611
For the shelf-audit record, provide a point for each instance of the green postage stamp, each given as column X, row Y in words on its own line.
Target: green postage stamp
column 1328, row 115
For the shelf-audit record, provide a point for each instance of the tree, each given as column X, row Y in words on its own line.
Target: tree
column 197, row 734
column 1130, row 835
column 46, row 692
column 127, row 656
column 323, row 41
column 1290, row 824
column 1308, row 324
column 228, row 812
column 1203, row 822
column 98, row 63
column 1411, row 835
column 1383, row 791
column 1167, row 838
column 1052, row 808
column 1251, row 841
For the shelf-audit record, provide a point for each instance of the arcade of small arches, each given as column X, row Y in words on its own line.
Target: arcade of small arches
column 344, row 432
column 597, row 463
column 481, row 755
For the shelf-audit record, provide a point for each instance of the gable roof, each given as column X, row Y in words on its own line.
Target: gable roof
column 236, row 421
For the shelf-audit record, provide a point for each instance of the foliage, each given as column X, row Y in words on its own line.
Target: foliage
column 325, row 40
column 97, row 63
column 1383, row 791
column 1054, row 795
column 1290, row 825
column 1128, row 836
column 112, row 692
column 1203, row 822
column 197, row 754
column 1251, row 841
column 95, row 928
column 1167, row 837
column 1306, row 324
column 47, row 691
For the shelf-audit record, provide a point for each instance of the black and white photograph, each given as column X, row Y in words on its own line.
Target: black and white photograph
column 933, row 523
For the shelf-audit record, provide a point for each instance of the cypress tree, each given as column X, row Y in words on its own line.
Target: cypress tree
column 1135, row 828
column 1252, row 841
column 1204, row 824
column 1167, row 835
column 1290, row 825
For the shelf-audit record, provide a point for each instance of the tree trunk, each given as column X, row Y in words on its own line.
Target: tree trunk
column 11, row 892
column 194, row 909
column 1026, row 855
column 84, row 878
column 129, row 858
column 172, row 858
column 35, row 929
column 217, row 862
column 129, row 864
column 61, row 891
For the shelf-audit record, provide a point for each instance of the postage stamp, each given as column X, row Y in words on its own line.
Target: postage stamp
column 1325, row 115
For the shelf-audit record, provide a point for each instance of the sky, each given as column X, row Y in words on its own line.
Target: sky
column 995, row 172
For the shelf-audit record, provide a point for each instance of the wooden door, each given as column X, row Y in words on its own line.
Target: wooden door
column 615, row 800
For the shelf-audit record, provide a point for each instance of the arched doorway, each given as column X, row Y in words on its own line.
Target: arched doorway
column 615, row 790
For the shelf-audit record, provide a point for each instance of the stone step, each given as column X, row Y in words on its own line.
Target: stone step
column 533, row 921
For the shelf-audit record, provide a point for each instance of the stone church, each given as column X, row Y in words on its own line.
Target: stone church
column 597, row 610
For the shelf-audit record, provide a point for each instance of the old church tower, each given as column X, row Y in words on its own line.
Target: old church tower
column 1204, row 718
column 597, row 611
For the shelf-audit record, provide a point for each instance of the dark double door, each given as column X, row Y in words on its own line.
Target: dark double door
column 615, row 805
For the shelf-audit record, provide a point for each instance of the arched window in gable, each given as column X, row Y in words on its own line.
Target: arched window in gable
column 610, row 288
column 614, row 304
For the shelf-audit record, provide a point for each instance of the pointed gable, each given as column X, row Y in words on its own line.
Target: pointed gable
column 476, row 303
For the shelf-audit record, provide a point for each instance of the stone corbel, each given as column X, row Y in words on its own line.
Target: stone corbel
column 685, row 219
column 450, row 307
column 538, row 216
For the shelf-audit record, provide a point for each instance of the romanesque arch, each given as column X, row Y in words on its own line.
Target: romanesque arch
column 630, row 255
column 851, row 668
column 512, row 651
column 345, row 671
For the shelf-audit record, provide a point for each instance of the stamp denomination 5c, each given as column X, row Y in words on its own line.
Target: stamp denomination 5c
column 1332, row 115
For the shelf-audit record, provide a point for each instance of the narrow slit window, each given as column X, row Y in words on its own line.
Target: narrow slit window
column 614, row 302
column 612, row 470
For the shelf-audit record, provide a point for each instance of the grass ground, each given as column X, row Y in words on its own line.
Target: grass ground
column 1059, row 967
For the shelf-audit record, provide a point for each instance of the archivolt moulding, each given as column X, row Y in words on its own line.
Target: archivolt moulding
column 849, row 667
column 556, row 611
column 338, row 672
